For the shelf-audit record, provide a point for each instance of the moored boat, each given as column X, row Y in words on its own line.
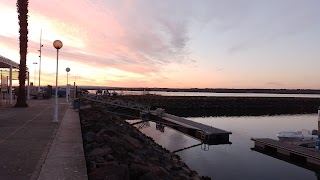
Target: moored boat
column 303, row 135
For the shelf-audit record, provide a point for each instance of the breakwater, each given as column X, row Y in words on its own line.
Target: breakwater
column 115, row 149
column 192, row 106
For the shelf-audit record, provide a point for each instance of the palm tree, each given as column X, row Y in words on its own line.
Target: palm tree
column 22, row 8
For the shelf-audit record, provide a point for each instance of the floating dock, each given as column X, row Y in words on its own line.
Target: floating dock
column 301, row 156
column 206, row 134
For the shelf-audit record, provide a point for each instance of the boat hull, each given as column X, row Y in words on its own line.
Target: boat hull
column 296, row 136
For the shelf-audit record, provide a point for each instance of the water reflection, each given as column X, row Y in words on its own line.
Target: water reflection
column 204, row 147
column 238, row 161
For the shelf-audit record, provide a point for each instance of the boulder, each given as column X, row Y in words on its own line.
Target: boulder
column 101, row 132
column 133, row 142
column 149, row 176
column 109, row 158
column 110, row 172
column 99, row 159
column 89, row 136
column 159, row 171
column 100, row 152
column 137, row 170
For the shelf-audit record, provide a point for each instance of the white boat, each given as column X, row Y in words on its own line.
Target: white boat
column 303, row 135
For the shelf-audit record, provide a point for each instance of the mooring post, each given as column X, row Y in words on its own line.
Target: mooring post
column 318, row 140
column 319, row 121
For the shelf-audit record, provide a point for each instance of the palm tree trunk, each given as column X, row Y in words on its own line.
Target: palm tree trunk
column 22, row 8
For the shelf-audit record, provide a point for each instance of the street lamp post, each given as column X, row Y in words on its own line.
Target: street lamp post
column 35, row 71
column 68, row 70
column 58, row 45
column 40, row 59
column 68, row 87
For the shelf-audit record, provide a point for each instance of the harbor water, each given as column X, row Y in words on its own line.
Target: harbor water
column 238, row 161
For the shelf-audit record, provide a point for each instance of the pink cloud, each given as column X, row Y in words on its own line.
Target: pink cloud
column 111, row 34
column 117, row 31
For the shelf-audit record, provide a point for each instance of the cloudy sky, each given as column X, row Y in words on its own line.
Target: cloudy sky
column 171, row 43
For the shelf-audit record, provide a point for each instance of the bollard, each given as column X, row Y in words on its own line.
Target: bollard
column 317, row 144
column 319, row 120
column 76, row 104
column 319, row 113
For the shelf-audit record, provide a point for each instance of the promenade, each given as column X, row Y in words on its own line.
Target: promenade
column 33, row 147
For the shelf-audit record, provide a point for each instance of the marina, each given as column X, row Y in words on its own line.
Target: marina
column 141, row 90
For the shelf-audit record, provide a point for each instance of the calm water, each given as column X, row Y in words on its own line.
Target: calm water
column 238, row 161
column 163, row 93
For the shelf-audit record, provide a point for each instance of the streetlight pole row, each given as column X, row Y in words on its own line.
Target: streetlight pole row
column 35, row 71
column 40, row 59
column 67, row 87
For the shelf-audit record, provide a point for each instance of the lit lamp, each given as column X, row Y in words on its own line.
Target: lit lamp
column 68, row 87
column 58, row 45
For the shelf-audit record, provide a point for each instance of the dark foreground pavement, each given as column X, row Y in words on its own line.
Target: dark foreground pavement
column 26, row 137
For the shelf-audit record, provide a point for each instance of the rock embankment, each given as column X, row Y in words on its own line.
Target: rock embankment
column 115, row 149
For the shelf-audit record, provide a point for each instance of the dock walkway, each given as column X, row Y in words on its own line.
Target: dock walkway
column 185, row 122
column 294, row 152
column 207, row 134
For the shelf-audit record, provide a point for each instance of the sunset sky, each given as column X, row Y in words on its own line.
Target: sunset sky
column 171, row 43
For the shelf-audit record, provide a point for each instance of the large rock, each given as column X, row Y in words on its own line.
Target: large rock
column 101, row 132
column 89, row 136
column 149, row 176
column 135, row 158
column 99, row 159
column 100, row 152
column 159, row 171
column 109, row 158
column 137, row 170
column 133, row 142
column 111, row 172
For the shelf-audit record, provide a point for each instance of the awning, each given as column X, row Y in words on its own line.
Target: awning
column 6, row 63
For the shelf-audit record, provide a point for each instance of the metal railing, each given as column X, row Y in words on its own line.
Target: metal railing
column 117, row 102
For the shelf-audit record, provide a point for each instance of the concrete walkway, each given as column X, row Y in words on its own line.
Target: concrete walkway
column 27, row 136
column 66, row 156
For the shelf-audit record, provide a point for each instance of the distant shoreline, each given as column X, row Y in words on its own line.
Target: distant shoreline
column 211, row 90
column 227, row 106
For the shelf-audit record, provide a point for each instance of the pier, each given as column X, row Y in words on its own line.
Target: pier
column 288, row 152
column 206, row 134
